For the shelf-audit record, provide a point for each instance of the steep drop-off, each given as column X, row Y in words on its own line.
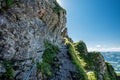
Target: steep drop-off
column 33, row 45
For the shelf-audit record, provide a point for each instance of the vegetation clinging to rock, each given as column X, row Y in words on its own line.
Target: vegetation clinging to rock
column 9, row 2
column 81, row 47
column 75, row 59
column 92, row 64
column 57, row 8
column 92, row 76
column 44, row 68
column 9, row 74
column 48, row 56
column 111, row 72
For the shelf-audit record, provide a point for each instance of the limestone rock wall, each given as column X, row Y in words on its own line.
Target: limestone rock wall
column 24, row 26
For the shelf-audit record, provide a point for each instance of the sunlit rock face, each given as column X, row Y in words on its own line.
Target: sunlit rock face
column 24, row 26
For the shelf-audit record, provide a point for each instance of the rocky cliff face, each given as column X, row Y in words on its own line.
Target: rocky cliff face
column 24, row 25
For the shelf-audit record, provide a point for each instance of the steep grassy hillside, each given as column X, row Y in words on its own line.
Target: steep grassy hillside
column 91, row 65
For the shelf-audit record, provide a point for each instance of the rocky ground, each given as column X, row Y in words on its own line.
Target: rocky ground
column 67, row 70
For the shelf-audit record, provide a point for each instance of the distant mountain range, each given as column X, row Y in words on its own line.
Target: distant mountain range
column 113, row 58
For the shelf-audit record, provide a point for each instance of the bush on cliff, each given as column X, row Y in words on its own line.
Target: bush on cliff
column 81, row 47
column 9, row 2
column 9, row 74
column 48, row 57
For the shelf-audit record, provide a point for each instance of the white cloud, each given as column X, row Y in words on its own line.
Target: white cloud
column 98, row 46
column 116, row 49
column 104, row 49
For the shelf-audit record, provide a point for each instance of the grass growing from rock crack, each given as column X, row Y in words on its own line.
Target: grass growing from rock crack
column 9, row 2
column 48, row 56
column 75, row 59
column 9, row 74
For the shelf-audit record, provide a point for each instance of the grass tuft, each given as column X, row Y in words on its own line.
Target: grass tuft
column 9, row 70
column 48, row 59
column 76, row 60
column 9, row 2
column 92, row 76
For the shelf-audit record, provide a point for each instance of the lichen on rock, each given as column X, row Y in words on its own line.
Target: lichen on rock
column 24, row 25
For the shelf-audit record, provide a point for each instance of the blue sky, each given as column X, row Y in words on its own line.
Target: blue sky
column 96, row 22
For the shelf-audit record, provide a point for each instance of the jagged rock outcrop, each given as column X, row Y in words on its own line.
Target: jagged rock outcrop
column 24, row 25
column 99, row 66
column 95, row 63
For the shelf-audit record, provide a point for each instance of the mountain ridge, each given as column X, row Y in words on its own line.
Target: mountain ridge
column 34, row 45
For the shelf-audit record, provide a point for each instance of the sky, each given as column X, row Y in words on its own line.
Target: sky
column 96, row 22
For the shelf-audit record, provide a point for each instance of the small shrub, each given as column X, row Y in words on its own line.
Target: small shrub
column 81, row 47
column 47, row 45
column 48, row 57
column 44, row 68
column 50, row 52
column 9, row 70
column 9, row 2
